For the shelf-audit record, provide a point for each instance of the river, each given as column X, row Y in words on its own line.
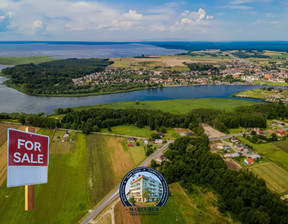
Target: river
column 13, row 101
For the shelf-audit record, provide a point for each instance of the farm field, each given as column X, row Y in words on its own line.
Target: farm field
column 280, row 158
column 181, row 207
column 175, row 106
column 274, row 176
column 68, row 144
column 283, row 145
column 96, row 162
column 130, row 130
column 108, row 162
column 57, row 201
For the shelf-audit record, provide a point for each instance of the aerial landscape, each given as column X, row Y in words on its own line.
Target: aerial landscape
column 197, row 91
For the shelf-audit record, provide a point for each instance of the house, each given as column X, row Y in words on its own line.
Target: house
column 160, row 134
column 158, row 141
column 189, row 134
column 234, row 140
column 146, row 142
column 131, row 139
column 255, row 156
column 161, row 159
column 280, row 132
column 240, row 147
column 271, row 132
column 66, row 135
column 261, row 132
column 236, row 154
column 249, row 161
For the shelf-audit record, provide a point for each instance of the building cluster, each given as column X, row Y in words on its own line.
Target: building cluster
column 242, row 72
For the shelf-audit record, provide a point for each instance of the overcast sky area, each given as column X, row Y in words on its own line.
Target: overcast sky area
column 131, row 20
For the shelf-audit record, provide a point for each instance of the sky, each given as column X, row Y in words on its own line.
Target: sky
column 149, row 20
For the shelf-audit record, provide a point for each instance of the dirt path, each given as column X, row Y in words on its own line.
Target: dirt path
column 211, row 132
column 109, row 211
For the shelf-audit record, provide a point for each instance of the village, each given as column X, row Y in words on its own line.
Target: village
column 234, row 72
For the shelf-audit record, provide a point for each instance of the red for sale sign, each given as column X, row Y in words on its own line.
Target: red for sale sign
column 28, row 157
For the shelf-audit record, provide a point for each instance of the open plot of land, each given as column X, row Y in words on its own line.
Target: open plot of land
column 283, row 145
column 182, row 131
column 211, row 132
column 108, row 163
column 3, row 163
column 171, row 134
column 65, row 199
column 181, row 207
column 232, row 164
column 130, row 130
column 274, row 176
column 175, row 106
column 61, row 144
column 3, row 131
column 280, row 158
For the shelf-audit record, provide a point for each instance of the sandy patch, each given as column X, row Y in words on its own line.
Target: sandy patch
column 211, row 132
column 232, row 164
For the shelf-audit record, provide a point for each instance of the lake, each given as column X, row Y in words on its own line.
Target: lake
column 13, row 101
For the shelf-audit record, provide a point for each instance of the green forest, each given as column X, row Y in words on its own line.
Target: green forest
column 53, row 77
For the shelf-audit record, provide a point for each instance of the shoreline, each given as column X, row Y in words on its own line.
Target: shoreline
column 124, row 91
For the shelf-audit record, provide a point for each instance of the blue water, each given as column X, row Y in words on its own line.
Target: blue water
column 81, row 49
column 14, row 101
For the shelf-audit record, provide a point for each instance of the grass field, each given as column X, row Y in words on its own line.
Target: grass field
column 65, row 199
column 283, row 145
column 280, row 158
column 176, row 106
column 108, row 163
column 130, row 130
column 181, row 207
column 24, row 60
column 274, row 176
column 262, row 148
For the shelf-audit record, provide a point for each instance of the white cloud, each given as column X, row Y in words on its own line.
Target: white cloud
column 133, row 15
column 37, row 24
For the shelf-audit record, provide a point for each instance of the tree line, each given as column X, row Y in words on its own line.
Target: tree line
column 192, row 163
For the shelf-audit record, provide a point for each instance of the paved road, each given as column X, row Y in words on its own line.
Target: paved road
column 239, row 134
column 115, row 194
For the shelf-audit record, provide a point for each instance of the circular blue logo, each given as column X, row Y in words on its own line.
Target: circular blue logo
column 144, row 187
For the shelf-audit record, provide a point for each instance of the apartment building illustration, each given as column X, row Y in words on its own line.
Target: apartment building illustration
column 143, row 186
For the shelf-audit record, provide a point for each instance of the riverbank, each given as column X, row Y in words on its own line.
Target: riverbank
column 266, row 95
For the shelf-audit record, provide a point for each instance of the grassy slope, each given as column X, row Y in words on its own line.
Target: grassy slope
column 175, row 106
column 196, row 207
column 24, row 60
column 64, row 199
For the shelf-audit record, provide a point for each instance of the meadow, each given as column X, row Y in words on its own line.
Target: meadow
column 175, row 106
column 130, row 130
column 181, row 207
column 274, row 176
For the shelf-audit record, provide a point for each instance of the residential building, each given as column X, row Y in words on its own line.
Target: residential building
column 145, row 189
column 249, row 161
